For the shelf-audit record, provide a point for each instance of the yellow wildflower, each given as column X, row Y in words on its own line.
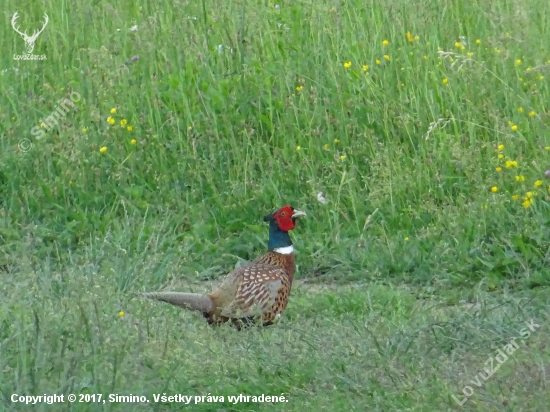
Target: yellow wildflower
column 113, row 110
column 494, row 189
column 458, row 44
column 547, row 148
column 365, row 67
column 347, row 65
column 527, row 203
column 409, row 37
column 532, row 113
column 445, row 80
column 514, row 128
column 385, row 42
column 528, row 195
column 377, row 61
column 298, row 148
column 103, row 149
column 515, row 197
column 500, row 147
column 478, row 41
column 121, row 314
column 538, row 183
column 520, row 178
column 387, row 57
column 84, row 130
column 469, row 54
column 520, row 109
column 500, row 156
column 123, row 122
column 299, row 88
column 498, row 169
column 129, row 128
column 336, row 140
column 133, row 141
column 407, row 239
column 325, row 146
column 342, row 157
column 518, row 62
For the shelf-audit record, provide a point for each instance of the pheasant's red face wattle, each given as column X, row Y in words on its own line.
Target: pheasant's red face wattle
column 286, row 217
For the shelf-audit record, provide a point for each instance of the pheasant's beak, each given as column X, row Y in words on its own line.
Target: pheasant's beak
column 298, row 213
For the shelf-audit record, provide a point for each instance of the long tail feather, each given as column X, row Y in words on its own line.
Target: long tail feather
column 193, row 301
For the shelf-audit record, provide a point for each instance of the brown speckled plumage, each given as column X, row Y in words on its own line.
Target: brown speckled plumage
column 257, row 291
column 262, row 288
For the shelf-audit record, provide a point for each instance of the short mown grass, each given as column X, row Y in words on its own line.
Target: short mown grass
column 426, row 127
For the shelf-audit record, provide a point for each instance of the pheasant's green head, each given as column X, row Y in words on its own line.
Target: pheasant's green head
column 280, row 223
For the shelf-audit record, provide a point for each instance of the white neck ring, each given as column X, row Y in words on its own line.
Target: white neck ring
column 287, row 250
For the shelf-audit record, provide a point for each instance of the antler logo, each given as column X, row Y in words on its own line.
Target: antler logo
column 29, row 40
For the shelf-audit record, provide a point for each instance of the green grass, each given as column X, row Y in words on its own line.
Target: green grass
column 397, row 312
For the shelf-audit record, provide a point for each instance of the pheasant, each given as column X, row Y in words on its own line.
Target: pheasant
column 258, row 290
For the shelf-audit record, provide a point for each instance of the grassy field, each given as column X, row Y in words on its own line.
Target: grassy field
column 186, row 122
